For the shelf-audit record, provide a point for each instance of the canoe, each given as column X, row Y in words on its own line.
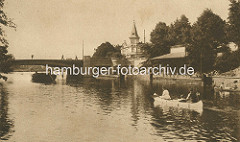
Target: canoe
column 228, row 90
column 231, row 90
column 175, row 103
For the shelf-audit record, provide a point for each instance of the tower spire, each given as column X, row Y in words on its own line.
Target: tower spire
column 134, row 38
column 134, row 30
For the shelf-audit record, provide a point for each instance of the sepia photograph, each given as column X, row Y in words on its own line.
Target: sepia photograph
column 119, row 71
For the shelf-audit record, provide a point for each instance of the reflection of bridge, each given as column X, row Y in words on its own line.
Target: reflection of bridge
column 50, row 62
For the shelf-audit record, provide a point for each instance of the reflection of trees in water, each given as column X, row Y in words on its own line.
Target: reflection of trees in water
column 5, row 123
column 107, row 92
column 220, row 125
column 73, row 80
column 140, row 99
column 112, row 94
column 169, row 122
column 174, row 123
column 225, row 100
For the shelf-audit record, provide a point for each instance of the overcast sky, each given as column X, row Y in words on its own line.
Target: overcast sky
column 52, row 28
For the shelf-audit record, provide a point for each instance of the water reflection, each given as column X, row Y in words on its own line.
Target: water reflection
column 90, row 109
column 5, row 123
column 173, row 123
column 170, row 123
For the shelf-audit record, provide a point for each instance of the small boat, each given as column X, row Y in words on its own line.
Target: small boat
column 226, row 90
column 43, row 78
column 198, row 106
column 231, row 90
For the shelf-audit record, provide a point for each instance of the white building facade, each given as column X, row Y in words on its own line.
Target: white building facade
column 133, row 52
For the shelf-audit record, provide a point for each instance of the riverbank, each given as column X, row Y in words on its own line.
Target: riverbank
column 229, row 79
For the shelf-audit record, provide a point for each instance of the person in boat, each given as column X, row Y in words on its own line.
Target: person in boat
column 235, row 87
column 165, row 94
column 193, row 97
column 3, row 77
column 221, row 87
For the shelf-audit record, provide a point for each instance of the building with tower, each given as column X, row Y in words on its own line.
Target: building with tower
column 133, row 51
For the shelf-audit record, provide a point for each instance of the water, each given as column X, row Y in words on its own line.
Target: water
column 108, row 111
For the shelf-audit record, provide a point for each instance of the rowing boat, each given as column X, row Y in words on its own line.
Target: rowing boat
column 198, row 106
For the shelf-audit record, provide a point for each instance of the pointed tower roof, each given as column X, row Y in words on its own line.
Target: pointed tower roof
column 134, row 33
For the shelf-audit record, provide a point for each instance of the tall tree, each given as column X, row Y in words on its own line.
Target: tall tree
column 5, row 58
column 180, row 31
column 207, row 35
column 234, row 16
column 231, row 60
column 160, row 40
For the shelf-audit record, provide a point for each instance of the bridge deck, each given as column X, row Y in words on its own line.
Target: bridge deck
column 50, row 62
column 64, row 63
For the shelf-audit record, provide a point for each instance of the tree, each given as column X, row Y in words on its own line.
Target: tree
column 207, row 35
column 159, row 36
column 160, row 40
column 107, row 50
column 231, row 60
column 146, row 48
column 5, row 58
column 180, row 31
column 228, row 61
column 163, row 36
column 234, row 15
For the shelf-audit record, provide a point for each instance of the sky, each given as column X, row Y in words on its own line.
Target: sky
column 49, row 29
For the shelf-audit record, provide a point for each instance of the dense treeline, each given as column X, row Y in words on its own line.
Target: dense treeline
column 204, row 39
column 5, row 58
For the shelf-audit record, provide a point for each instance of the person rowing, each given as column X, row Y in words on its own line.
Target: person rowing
column 191, row 97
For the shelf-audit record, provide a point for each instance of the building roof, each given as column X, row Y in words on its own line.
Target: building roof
column 170, row 56
column 134, row 33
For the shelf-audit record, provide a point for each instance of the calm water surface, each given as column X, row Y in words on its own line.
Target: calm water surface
column 108, row 111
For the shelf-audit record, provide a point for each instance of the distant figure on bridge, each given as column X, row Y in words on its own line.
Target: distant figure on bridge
column 62, row 57
column 76, row 58
column 32, row 56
